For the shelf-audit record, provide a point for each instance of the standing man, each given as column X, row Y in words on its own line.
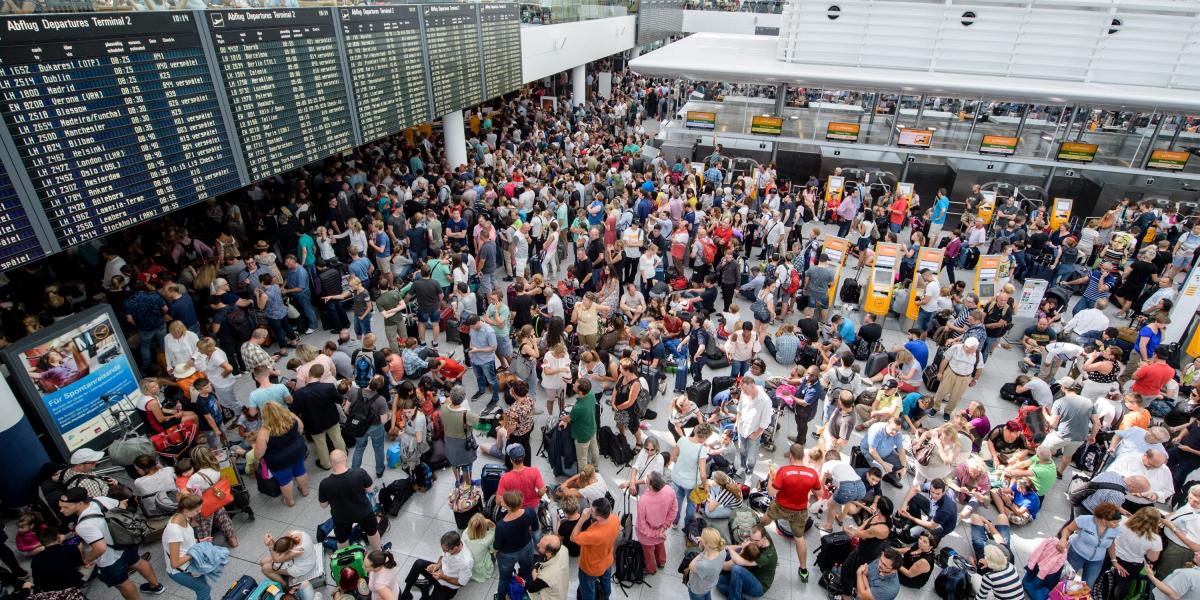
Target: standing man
column 296, row 286
column 596, row 546
column 792, row 486
column 927, row 304
column 381, row 243
column 344, row 493
column 146, row 310
column 1148, row 339
column 960, row 369
column 941, row 207
column 113, row 566
column 582, row 424
column 429, row 304
column 317, row 406
column 1071, row 421
column 753, row 418
column 818, row 280
column 486, row 259
column 808, row 395
column 1099, row 285
column 482, row 351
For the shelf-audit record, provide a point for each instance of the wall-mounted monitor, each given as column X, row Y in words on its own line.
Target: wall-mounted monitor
column 998, row 144
column 915, row 138
column 1077, row 152
column 766, row 125
column 1167, row 160
column 842, row 132
column 701, row 120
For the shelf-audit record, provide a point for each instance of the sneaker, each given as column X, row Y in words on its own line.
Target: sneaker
column 1024, row 366
column 803, row 575
column 149, row 589
column 945, row 416
column 477, row 395
column 387, row 546
column 309, row 330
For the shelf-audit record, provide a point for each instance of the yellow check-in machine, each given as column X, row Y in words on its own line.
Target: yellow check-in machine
column 835, row 249
column 987, row 206
column 927, row 258
column 835, row 187
column 987, row 276
column 883, row 273
column 1060, row 212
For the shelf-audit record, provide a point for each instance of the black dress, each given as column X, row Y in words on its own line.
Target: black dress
column 867, row 550
column 911, row 558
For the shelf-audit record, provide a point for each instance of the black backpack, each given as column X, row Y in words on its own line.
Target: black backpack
column 808, row 356
column 953, row 583
column 851, row 292
column 358, row 418
column 605, row 440
column 239, row 324
column 631, row 565
column 394, row 495
column 1081, row 488
column 622, row 454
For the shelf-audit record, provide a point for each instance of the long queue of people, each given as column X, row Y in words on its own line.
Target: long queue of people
column 565, row 264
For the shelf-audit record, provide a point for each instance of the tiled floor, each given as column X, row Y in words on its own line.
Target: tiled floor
column 415, row 532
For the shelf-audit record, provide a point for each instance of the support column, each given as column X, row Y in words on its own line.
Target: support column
column 780, row 99
column 604, row 81
column 1153, row 140
column 579, row 85
column 1178, row 128
column 635, row 52
column 455, row 134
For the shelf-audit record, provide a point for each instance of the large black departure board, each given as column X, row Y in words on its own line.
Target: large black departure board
column 452, row 40
column 500, row 29
column 383, row 50
column 286, row 91
column 115, row 118
column 18, row 240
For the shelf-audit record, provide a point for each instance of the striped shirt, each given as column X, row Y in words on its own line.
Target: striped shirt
column 1004, row 584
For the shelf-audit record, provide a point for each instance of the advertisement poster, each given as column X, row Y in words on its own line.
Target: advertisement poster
column 701, row 120
column 69, row 371
column 1030, row 297
column 842, row 132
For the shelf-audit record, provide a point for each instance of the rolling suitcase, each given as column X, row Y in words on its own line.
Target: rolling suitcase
column 489, row 480
column 241, row 589
column 699, row 393
column 876, row 363
column 267, row 590
column 351, row 556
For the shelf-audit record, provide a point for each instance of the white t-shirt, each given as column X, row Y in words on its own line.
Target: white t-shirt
column 631, row 236
column 211, row 365
column 202, row 480
column 1132, row 547
column 647, row 265
column 839, row 470
column 933, row 291
column 385, row 579
column 162, row 480
column 1183, row 581
column 305, row 566
column 594, row 491
column 92, row 530
column 186, row 536
column 1040, row 391
column 457, row 566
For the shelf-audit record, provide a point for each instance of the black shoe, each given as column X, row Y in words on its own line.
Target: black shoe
column 803, row 575
column 945, row 416
column 893, row 480
column 477, row 395
column 795, row 439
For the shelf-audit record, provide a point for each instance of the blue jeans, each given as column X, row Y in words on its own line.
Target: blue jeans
column 681, row 495
column 704, row 596
column 748, row 454
column 989, row 344
column 1089, row 568
column 362, row 326
column 149, row 341
column 737, row 368
column 1061, row 271
column 199, row 585
column 304, row 302
column 738, row 582
column 925, row 320
column 1082, row 304
column 506, row 561
column 281, row 330
column 595, row 588
column 720, row 512
column 1039, row 589
column 377, row 436
column 486, row 373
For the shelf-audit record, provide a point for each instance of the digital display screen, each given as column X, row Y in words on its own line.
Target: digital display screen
column 1168, row 160
column 766, row 125
column 701, row 120
column 917, row 138
column 383, row 49
column 842, row 132
column 453, row 45
column 500, row 28
column 69, row 370
column 998, row 144
column 115, row 118
column 1077, row 152
column 19, row 243
column 285, row 85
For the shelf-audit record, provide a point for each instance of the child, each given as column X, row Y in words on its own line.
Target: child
column 183, row 472
column 248, row 424
column 205, row 407
column 29, row 526
column 1020, row 502
column 56, row 567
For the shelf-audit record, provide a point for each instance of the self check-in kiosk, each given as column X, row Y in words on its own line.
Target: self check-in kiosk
column 835, row 186
column 1060, row 212
column 835, row 249
column 883, row 273
column 927, row 258
column 987, row 276
column 987, row 206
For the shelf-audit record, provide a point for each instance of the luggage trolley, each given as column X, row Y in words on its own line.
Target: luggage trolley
column 227, row 460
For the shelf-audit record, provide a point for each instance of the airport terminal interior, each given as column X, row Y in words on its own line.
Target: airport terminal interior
column 597, row 299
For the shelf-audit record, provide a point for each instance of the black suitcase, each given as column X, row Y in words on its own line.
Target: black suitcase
column 833, row 551
column 241, row 589
column 876, row 363
column 720, row 384
column 489, row 480
column 700, row 392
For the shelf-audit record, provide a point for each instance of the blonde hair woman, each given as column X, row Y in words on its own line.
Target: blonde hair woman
column 479, row 536
column 308, row 355
column 280, row 444
column 704, row 570
column 587, row 485
column 358, row 237
column 724, row 495
column 206, row 473
column 179, row 344
column 214, row 363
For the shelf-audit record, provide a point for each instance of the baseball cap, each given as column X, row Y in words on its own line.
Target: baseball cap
column 1068, row 383
column 515, row 451
column 74, row 495
column 890, row 383
column 86, row 455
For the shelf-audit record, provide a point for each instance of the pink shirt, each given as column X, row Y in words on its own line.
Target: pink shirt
column 329, row 376
column 655, row 512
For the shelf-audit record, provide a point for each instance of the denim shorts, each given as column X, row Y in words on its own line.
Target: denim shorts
column 118, row 572
column 430, row 318
column 849, row 491
column 285, row 475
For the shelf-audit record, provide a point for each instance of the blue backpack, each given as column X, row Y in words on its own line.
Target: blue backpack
column 364, row 369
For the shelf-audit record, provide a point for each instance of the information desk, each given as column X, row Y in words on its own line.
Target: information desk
column 115, row 118
column 453, row 46
column 500, row 30
column 387, row 74
column 285, row 85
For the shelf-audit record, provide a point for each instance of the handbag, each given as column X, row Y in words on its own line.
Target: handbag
column 760, row 312
column 471, row 443
column 924, row 453
column 292, row 312
column 123, row 452
column 521, row 366
column 217, row 496
column 698, row 495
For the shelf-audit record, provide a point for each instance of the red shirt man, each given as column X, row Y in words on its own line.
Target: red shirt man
column 1152, row 376
column 522, row 479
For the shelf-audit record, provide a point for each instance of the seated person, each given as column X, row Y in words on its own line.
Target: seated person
column 887, row 405
column 291, row 558
column 916, row 565
column 587, row 485
column 972, row 486
column 905, row 368
column 724, row 495
column 835, row 348
column 633, row 303
column 446, row 370
column 1033, row 390
column 1034, row 341
column 984, row 531
column 914, row 409
column 785, row 343
column 936, row 513
column 1041, row 471
column 56, row 567
column 442, row 579
column 882, row 446
column 152, row 476
column 415, row 364
column 1006, row 445
column 835, row 433
column 1055, row 355
column 1135, row 415
column 872, row 478
column 1019, row 501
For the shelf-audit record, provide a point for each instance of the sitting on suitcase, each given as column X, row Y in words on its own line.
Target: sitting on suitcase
column 438, row 580
column 291, row 559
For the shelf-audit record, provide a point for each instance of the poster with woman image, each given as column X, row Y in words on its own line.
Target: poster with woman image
column 72, row 373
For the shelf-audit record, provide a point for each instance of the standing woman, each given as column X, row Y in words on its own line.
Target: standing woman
column 741, row 348
column 177, row 538
column 706, row 567
column 207, row 472
column 689, row 468
column 520, row 415
column 514, row 540
column 414, row 438
column 215, row 364
column 360, row 305
column 1138, row 542
column 764, row 308
column 280, row 443
column 649, row 460
column 524, row 361
column 459, row 423
column 269, row 299
column 1086, row 540
column 556, row 376
column 625, row 401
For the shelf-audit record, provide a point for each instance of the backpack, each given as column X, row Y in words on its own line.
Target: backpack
column 358, row 418
column 160, row 504
column 1081, row 488
column 741, row 522
column 127, row 528
column 393, row 496
column 605, row 441
column 840, row 384
column 808, row 356
column 794, row 283
column 239, row 324
column 630, row 565
column 364, row 369
column 851, row 292
column 862, row 348
column 953, row 583
column 710, row 251
column 1088, row 458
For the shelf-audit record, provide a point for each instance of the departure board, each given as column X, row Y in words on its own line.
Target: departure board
column 282, row 74
column 19, row 243
column 387, row 74
column 115, row 118
column 500, row 28
column 452, row 40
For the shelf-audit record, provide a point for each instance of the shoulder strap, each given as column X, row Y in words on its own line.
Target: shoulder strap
column 205, row 478
column 1094, row 486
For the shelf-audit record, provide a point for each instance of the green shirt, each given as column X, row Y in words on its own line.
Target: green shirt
column 440, row 272
column 387, row 301
column 310, row 249
column 504, row 315
column 1044, row 475
column 764, row 567
column 583, row 419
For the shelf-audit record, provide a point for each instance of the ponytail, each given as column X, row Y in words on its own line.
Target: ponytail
column 382, row 558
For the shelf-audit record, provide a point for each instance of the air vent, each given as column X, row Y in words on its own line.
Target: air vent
column 968, row 18
column 833, row 12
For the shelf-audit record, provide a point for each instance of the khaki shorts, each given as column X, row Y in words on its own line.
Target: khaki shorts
column 1056, row 442
column 797, row 519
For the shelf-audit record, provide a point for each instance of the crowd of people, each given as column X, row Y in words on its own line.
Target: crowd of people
column 574, row 277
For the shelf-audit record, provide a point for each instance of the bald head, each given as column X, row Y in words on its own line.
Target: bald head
column 1137, row 484
column 1154, row 459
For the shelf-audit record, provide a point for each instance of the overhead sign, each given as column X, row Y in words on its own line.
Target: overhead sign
column 998, row 144
column 1077, row 152
column 701, row 120
column 1167, row 160
column 766, row 125
column 842, row 132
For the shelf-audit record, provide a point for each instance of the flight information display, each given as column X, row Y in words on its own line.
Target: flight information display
column 19, row 243
column 284, row 80
column 115, row 118
column 500, row 28
column 383, row 49
column 452, row 40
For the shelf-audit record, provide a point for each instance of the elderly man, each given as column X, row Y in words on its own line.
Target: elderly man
column 1151, row 464
column 551, row 573
column 1087, row 325
column 1138, row 440
column 961, row 366
column 753, row 418
column 1112, row 487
